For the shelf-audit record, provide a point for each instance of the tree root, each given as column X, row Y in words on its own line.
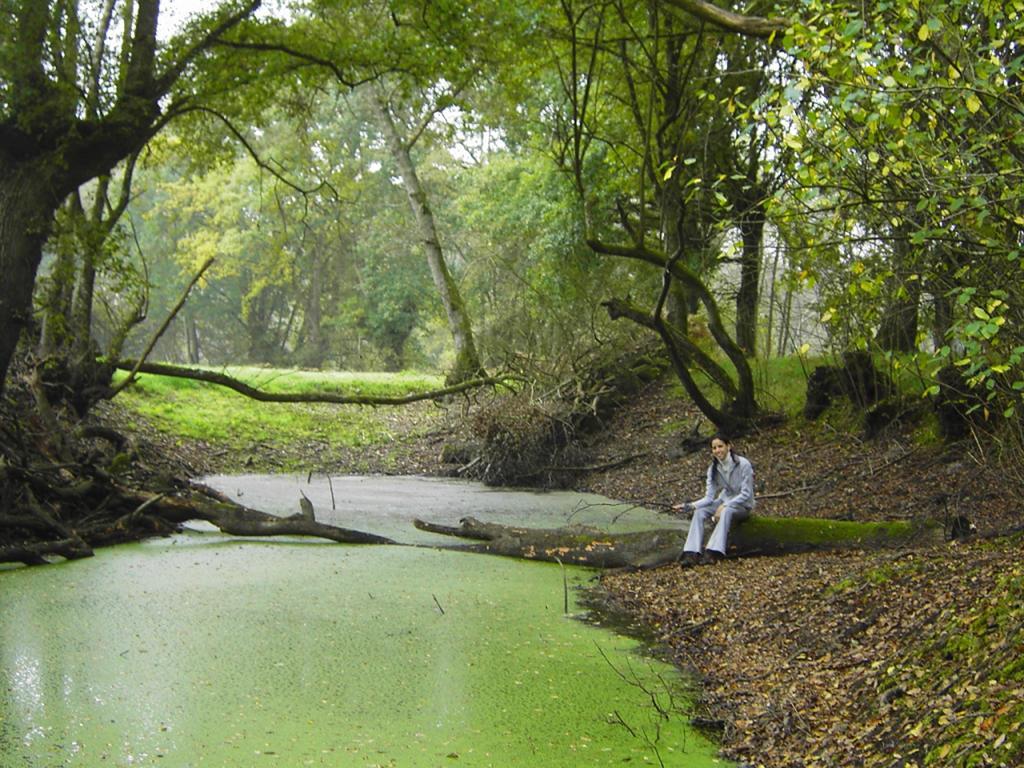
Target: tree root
column 36, row 553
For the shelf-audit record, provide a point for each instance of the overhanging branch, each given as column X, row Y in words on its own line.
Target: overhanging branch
column 222, row 379
column 751, row 26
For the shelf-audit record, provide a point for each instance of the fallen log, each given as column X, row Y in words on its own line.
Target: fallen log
column 788, row 535
column 587, row 546
column 36, row 553
column 238, row 520
column 579, row 545
column 144, row 515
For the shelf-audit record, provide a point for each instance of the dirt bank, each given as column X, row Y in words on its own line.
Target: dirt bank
column 855, row 659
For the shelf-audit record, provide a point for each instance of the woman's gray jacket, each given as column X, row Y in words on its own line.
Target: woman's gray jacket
column 735, row 488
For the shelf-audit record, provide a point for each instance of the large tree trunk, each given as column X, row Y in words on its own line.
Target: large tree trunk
column 467, row 361
column 27, row 207
column 48, row 149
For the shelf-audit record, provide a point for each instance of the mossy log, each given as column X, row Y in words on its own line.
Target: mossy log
column 580, row 545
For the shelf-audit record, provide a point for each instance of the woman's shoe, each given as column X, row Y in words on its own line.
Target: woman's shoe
column 689, row 558
column 711, row 556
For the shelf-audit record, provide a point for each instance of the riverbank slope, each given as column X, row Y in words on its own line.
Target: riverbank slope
column 889, row 658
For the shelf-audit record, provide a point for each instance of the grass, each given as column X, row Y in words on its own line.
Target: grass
column 196, row 410
column 780, row 383
column 781, row 387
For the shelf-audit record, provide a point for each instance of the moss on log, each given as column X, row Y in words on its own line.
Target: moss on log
column 648, row 549
column 781, row 535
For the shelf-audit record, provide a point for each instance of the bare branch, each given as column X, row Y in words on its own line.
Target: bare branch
column 751, row 26
column 214, row 377
column 260, row 162
column 160, row 331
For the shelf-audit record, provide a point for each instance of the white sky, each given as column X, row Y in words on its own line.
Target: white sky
column 174, row 13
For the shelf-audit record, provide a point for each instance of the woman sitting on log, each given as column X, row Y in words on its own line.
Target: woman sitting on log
column 729, row 497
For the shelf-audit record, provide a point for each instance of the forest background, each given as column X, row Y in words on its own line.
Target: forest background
column 527, row 195
column 814, row 178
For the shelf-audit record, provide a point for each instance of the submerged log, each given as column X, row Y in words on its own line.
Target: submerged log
column 580, row 545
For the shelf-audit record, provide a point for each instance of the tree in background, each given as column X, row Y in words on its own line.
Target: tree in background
column 905, row 121
column 651, row 95
column 71, row 111
column 400, row 142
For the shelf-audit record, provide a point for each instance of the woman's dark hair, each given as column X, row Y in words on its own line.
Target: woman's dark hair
column 714, row 460
column 720, row 436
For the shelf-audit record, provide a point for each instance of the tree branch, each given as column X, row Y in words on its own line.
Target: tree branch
column 213, row 36
column 296, row 54
column 214, row 377
column 160, row 331
column 260, row 162
column 751, row 26
column 685, row 275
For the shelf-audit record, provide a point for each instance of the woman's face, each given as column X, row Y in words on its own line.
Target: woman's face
column 719, row 449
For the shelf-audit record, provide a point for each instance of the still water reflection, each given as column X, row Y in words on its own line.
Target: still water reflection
column 202, row 649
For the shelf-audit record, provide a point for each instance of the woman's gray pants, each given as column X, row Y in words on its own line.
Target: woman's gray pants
column 720, row 535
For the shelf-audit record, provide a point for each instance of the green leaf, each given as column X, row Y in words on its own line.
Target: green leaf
column 853, row 29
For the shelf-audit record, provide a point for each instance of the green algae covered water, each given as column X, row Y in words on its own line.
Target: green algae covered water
column 206, row 650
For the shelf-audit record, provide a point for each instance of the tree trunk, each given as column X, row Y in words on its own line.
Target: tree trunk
column 27, row 207
column 57, row 294
column 744, row 408
column 467, row 362
column 313, row 350
column 943, row 316
column 193, row 349
column 772, row 298
column 92, row 235
column 752, row 233
column 53, row 142
column 897, row 332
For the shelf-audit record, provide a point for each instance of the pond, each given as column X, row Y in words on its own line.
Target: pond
column 202, row 649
